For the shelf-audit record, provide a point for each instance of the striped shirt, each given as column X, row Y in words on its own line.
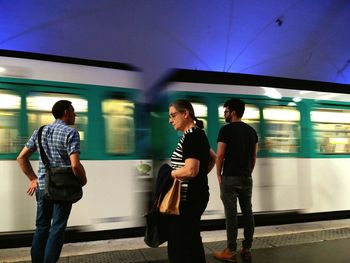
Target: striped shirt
column 178, row 162
column 59, row 141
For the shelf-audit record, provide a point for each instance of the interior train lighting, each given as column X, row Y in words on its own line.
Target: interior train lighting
column 9, row 101
column 45, row 103
column 330, row 116
column 281, row 114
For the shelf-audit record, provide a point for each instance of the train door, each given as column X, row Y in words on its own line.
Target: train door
column 277, row 174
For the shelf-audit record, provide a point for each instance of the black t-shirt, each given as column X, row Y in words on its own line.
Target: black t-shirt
column 193, row 144
column 240, row 139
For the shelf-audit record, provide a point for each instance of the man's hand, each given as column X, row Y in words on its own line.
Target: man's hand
column 33, row 185
column 27, row 169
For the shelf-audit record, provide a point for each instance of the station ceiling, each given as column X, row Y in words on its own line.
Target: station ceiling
column 303, row 39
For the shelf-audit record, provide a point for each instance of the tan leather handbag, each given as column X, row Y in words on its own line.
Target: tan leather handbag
column 170, row 204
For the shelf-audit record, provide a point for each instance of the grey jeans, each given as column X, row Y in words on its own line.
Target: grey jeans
column 232, row 188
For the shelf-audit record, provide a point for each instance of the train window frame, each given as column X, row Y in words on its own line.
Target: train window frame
column 196, row 104
column 11, row 106
column 327, row 123
column 106, row 141
column 282, row 121
column 47, row 99
column 251, row 101
column 221, row 117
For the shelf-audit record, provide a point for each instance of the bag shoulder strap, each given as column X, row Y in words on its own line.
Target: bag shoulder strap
column 42, row 151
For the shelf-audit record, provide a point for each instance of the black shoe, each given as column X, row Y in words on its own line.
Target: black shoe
column 246, row 254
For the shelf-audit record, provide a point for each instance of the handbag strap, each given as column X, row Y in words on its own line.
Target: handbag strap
column 42, row 151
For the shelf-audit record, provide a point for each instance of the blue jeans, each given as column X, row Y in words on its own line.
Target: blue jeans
column 51, row 222
column 233, row 188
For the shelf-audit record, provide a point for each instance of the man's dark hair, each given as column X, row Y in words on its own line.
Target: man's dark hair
column 236, row 105
column 59, row 107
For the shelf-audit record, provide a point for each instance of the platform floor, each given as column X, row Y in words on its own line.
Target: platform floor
column 325, row 241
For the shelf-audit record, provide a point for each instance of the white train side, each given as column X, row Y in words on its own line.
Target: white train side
column 304, row 137
column 105, row 96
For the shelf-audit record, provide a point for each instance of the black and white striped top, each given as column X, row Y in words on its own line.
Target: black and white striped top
column 178, row 162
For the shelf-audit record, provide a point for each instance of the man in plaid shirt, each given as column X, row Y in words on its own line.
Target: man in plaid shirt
column 62, row 146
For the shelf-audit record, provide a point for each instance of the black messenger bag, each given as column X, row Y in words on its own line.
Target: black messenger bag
column 61, row 184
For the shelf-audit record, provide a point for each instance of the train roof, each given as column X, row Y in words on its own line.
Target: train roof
column 68, row 60
column 226, row 78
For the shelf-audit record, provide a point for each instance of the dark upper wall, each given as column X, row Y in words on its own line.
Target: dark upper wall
column 289, row 38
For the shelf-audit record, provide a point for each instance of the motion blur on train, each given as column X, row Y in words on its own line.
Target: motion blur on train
column 303, row 128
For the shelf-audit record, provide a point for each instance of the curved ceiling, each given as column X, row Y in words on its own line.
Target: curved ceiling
column 300, row 39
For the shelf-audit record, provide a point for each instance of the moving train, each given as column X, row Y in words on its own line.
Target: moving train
column 303, row 128
column 304, row 137
column 105, row 96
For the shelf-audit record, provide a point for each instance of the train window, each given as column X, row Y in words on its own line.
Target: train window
column 39, row 107
column 251, row 116
column 201, row 112
column 282, row 129
column 332, row 130
column 9, row 118
column 119, row 125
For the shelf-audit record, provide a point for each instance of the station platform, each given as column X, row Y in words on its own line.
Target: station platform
column 323, row 241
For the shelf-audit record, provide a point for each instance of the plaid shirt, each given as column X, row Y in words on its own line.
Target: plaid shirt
column 59, row 141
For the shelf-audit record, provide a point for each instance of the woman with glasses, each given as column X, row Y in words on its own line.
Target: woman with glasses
column 191, row 161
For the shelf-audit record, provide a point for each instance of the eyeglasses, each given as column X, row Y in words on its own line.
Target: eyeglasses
column 173, row 114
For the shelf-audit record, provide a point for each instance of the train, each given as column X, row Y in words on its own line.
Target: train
column 303, row 128
column 105, row 96
column 304, row 138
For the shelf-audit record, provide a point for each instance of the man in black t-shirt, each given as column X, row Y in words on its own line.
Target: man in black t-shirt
column 236, row 156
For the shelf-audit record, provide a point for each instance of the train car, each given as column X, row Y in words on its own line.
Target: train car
column 304, row 137
column 106, row 97
column 303, row 128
